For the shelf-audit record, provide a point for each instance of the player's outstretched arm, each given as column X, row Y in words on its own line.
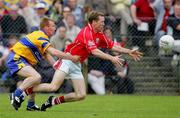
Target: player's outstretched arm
column 62, row 55
column 114, row 59
column 135, row 54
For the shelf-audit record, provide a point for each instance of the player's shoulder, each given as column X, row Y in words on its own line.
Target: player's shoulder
column 38, row 33
column 84, row 31
column 37, row 36
column 88, row 30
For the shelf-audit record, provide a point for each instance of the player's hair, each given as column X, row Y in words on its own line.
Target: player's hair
column 45, row 22
column 94, row 15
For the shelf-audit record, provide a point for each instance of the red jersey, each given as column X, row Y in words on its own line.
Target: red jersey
column 144, row 10
column 86, row 41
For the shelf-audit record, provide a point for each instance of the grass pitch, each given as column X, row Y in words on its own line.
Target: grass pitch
column 94, row 106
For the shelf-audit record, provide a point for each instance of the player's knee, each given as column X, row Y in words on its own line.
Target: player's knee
column 81, row 96
column 37, row 78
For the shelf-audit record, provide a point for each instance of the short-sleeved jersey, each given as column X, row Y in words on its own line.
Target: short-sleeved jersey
column 32, row 47
column 86, row 41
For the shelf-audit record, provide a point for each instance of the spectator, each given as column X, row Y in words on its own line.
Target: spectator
column 40, row 10
column 59, row 39
column 174, row 23
column 96, row 77
column 72, row 29
column 77, row 11
column 13, row 24
column 144, row 23
column 121, row 8
column 99, row 5
column 66, row 12
column 55, row 10
column 174, row 20
column 118, row 81
column 28, row 13
column 162, row 9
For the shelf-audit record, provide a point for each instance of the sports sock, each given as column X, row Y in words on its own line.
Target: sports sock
column 30, row 103
column 18, row 92
column 28, row 91
column 58, row 100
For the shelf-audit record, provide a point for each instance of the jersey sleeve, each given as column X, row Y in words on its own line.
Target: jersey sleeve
column 44, row 43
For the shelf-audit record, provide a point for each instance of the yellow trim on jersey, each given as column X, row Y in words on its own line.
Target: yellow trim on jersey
column 16, row 57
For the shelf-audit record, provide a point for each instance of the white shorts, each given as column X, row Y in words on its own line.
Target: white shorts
column 73, row 70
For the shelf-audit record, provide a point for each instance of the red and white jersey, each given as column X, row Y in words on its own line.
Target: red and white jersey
column 86, row 41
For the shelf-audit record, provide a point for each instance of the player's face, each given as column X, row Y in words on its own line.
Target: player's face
column 99, row 25
column 50, row 30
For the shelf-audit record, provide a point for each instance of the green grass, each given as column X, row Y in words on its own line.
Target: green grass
column 109, row 106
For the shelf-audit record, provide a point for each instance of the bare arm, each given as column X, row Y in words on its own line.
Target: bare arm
column 114, row 59
column 50, row 59
column 120, row 49
column 101, row 54
column 62, row 55
column 135, row 54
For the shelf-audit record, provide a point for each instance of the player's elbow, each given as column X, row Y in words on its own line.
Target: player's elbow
column 36, row 79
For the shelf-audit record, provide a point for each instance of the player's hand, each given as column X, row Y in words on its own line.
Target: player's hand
column 116, row 60
column 75, row 58
column 135, row 54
